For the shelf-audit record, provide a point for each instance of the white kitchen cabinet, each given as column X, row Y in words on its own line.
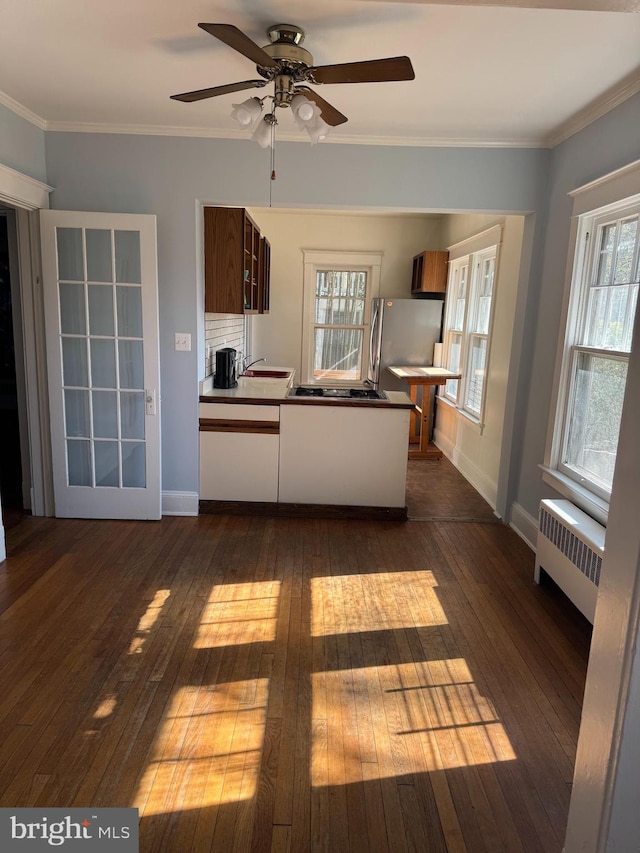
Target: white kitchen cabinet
column 348, row 455
column 239, row 450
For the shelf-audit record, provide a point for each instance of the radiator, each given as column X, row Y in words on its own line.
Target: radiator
column 569, row 548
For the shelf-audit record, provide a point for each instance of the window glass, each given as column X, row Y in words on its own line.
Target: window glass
column 467, row 328
column 598, row 343
column 594, row 417
column 339, row 315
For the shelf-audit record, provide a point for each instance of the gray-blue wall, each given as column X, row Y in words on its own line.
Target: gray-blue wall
column 167, row 175
column 22, row 145
column 607, row 144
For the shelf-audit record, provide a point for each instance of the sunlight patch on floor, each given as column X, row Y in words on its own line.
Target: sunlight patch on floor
column 383, row 601
column 148, row 620
column 209, row 748
column 402, row 719
column 239, row 613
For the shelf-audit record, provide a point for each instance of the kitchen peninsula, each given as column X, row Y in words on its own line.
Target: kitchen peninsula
column 260, row 444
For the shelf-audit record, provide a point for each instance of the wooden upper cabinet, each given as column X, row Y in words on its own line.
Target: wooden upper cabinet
column 429, row 272
column 232, row 263
column 264, row 276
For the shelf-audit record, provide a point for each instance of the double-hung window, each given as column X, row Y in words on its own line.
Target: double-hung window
column 338, row 289
column 602, row 309
column 467, row 329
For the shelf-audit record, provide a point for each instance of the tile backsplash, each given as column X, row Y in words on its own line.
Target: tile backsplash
column 222, row 330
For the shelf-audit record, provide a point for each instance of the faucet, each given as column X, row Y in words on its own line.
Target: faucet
column 245, row 367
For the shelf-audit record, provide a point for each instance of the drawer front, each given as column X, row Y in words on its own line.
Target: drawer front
column 239, row 411
column 222, row 417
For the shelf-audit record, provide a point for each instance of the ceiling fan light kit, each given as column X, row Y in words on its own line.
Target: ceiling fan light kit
column 248, row 113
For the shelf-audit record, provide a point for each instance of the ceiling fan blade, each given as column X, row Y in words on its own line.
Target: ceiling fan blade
column 329, row 113
column 369, row 71
column 201, row 94
column 236, row 39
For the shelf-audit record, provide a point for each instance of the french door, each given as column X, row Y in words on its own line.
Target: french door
column 101, row 325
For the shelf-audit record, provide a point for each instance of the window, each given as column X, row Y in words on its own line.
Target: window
column 339, row 287
column 604, row 296
column 467, row 329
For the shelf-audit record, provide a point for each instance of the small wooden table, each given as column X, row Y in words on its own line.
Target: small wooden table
column 423, row 378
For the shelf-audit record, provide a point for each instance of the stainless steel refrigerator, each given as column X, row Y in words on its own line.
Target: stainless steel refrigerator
column 403, row 332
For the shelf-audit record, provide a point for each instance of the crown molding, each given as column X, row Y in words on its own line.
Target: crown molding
column 615, row 96
column 627, row 88
column 18, row 109
column 211, row 133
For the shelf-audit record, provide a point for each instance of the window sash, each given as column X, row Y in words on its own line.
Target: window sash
column 467, row 340
column 588, row 441
column 475, row 373
column 598, row 334
column 338, row 289
column 339, row 292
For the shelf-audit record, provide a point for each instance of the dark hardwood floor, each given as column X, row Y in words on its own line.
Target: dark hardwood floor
column 290, row 685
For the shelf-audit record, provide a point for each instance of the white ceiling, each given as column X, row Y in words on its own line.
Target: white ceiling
column 485, row 74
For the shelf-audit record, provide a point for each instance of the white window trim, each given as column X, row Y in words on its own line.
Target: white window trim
column 478, row 244
column 314, row 259
column 615, row 191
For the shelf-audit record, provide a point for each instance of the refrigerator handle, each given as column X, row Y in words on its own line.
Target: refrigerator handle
column 373, row 373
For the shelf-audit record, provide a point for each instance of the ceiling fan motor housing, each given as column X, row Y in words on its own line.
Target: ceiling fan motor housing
column 285, row 49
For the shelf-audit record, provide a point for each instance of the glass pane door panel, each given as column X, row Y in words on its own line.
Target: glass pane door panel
column 131, row 364
column 75, row 365
column 72, row 313
column 127, row 244
column 98, row 246
column 134, row 475
column 103, row 363
column 79, row 462
column 101, row 309
column 132, row 414
column 107, row 463
column 129, row 301
column 105, row 414
column 76, row 413
column 70, row 260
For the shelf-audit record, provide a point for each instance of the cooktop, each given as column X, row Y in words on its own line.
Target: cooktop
column 340, row 393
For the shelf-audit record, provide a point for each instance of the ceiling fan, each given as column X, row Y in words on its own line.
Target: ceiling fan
column 290, row 68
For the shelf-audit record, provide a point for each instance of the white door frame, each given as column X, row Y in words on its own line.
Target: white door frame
column 27, row 195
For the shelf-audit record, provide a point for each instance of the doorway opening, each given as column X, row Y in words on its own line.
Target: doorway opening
column 11, row 466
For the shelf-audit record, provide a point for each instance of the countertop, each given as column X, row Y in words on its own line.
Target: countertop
column 273, row 392
column 438, row 375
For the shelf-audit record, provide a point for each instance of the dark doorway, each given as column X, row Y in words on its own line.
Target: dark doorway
column 10, row 464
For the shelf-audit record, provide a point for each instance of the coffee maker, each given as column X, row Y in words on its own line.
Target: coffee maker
column 225, row 372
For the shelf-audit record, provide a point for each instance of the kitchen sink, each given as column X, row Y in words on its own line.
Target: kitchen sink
column 267, row 374
column 338, row 393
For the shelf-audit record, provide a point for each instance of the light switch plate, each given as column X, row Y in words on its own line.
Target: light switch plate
column 182, row 341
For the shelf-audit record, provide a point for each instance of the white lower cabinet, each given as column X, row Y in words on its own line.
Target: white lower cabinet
column 307, row 454
column 350, row 456
column 238, row 461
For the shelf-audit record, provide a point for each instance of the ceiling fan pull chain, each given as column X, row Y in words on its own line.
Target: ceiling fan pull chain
column 273, row 151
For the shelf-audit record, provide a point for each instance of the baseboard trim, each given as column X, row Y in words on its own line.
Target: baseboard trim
column 289, row 510
column 180, row 503
column 478, row 479
column 524, row 524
